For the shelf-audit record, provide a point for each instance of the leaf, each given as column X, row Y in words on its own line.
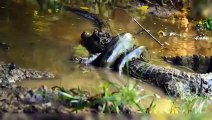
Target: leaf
column 143, row 8
column 84, row 8
column 103, row 108
column 184, row 9
column 117, row 109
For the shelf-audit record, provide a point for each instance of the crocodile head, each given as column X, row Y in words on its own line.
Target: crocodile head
column 95, row 42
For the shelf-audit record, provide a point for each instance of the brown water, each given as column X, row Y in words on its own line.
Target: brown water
column 44, row 41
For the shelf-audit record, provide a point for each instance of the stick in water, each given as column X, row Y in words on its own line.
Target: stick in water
column 172, row 3
column 148, row 33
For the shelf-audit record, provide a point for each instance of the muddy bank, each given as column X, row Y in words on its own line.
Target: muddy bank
column 16, row 99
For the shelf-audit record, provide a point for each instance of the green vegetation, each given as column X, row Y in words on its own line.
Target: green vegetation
column 125, row 99
column 208, row 23
column 191, row 105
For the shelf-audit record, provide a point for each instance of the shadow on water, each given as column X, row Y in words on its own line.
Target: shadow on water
column 42, row 36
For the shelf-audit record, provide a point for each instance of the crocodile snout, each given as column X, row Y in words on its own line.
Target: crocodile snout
column 85, row 35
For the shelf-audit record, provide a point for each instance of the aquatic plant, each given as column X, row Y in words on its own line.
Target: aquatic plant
column 125, row 99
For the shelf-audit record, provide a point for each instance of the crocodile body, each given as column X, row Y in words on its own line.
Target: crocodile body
column 173, row 81
column 198, row 63
column 107, row 53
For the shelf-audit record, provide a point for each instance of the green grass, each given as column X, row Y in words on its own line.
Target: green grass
column 125, row 99
column 193, row 104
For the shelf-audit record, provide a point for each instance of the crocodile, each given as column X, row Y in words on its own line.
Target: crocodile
column 175, row 82
column 198, row 63
column 10, row 73
column 106, row 51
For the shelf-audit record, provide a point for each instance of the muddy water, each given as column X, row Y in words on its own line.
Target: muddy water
column 44, row 40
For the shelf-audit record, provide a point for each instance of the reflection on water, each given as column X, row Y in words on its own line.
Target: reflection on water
column 42, row 36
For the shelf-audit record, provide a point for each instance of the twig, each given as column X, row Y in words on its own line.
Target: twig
column 148, row 33
column 172, row 3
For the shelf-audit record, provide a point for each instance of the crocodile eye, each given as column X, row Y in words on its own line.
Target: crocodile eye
column 133, row 58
